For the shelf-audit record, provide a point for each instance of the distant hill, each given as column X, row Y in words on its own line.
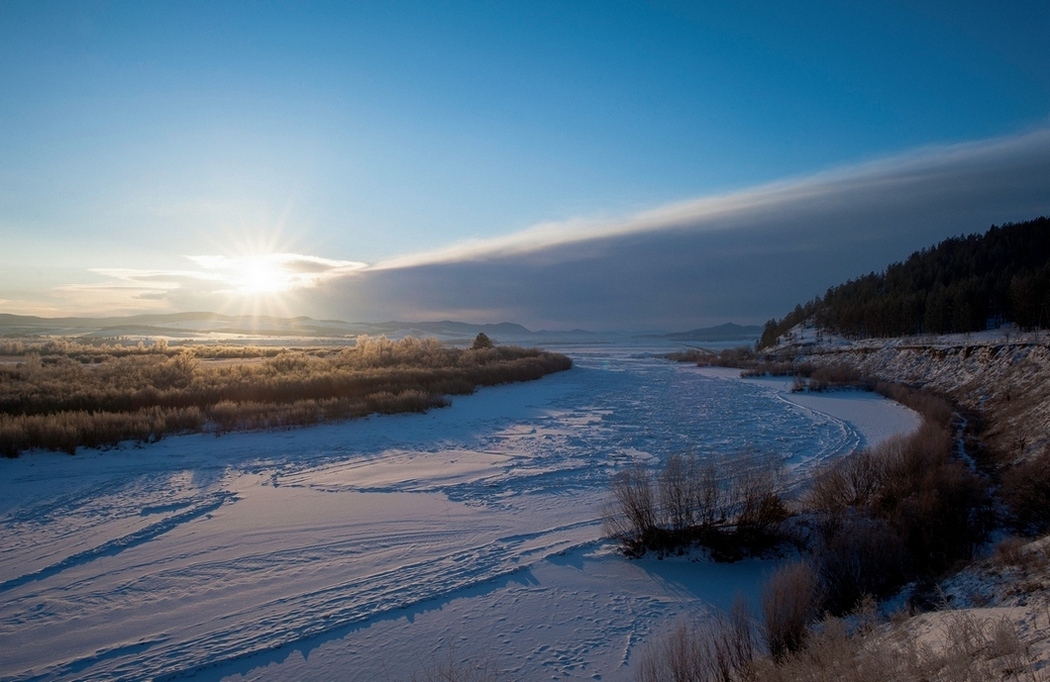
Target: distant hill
column 963, row 284
column 175, row 324
column 448, row 327
column 200, row 324
column 723, row 332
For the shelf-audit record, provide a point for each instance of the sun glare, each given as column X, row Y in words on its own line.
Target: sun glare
column 258, row 282
column 271, row 273
column 260, row 275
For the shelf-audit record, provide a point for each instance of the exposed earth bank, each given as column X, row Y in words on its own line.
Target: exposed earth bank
column 1002, row 377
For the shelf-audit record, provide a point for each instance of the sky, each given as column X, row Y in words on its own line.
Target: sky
column 600, row 165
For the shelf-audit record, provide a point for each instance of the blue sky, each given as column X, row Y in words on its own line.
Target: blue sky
column 164, row 156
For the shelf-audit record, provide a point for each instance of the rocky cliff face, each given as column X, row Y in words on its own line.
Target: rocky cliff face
column 1005, row 378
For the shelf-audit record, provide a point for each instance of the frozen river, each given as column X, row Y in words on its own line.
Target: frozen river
column 380, row 548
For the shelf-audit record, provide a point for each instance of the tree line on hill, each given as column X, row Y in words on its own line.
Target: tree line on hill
column 963, row 284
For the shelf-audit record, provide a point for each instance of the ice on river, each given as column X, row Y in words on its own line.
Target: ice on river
column 379, row 548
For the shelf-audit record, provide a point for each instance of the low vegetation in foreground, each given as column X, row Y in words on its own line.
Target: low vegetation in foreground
column 914, row 510
column 903, row 511
column 955, row 646
column 910, row 511
column 61, row 395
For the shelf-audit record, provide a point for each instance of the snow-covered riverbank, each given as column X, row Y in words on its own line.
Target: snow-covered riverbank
column 377, row 548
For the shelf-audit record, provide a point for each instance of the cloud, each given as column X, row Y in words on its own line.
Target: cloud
column 272, row 272
column 744, row 256
column 218, row 282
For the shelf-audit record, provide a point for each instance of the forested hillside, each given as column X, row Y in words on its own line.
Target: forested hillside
column 963, row 284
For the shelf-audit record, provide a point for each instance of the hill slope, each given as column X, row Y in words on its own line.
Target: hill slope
column 959, row 285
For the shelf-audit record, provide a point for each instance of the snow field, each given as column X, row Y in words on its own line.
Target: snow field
column 376, row 548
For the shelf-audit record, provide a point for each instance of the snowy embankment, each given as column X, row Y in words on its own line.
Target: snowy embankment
column 1003, row 377
column 375, row 549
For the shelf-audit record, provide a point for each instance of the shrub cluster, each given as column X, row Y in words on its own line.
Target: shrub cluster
column 58, row 402
column 906, row 509
column 697, row 356
column 731, row 510
column 729, row 648
column 1025, row 488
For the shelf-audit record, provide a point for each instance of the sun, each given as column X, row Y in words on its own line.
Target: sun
column 259, row 275
column 274, row 283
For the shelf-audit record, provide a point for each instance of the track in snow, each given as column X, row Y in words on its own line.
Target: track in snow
column 199, row 555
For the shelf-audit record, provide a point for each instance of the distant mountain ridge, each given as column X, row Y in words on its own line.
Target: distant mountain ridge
column 203, row 323
column 723, row 332
column 206, row 325
column 450, row 327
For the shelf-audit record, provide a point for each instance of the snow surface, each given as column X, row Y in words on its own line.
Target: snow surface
column 379, row 548
column 855, row 407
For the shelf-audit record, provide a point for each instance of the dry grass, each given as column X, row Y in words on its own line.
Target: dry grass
column 65, row 395
column 449, row 666
column 719, row 650
column 954, row 646
column 961, row 648
column 1028, row 557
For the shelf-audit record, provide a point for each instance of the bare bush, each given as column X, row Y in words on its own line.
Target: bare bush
column 757, row 485
column 741, row 356
column 631, row 518
column 1026, row 490
column 691, row 502
column 863, row 556
column 709, row 509
column 681, row 656
column 905, row 509
column 790, row 600
column 852, row 481
column 825, row 377
column 734, row 642
column 718, row 650
column 677, row 498
column 937, row 506
column 767, row 368
column 933, row 408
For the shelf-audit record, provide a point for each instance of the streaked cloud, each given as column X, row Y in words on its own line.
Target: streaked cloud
column 932, row 167
column 744, row 256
